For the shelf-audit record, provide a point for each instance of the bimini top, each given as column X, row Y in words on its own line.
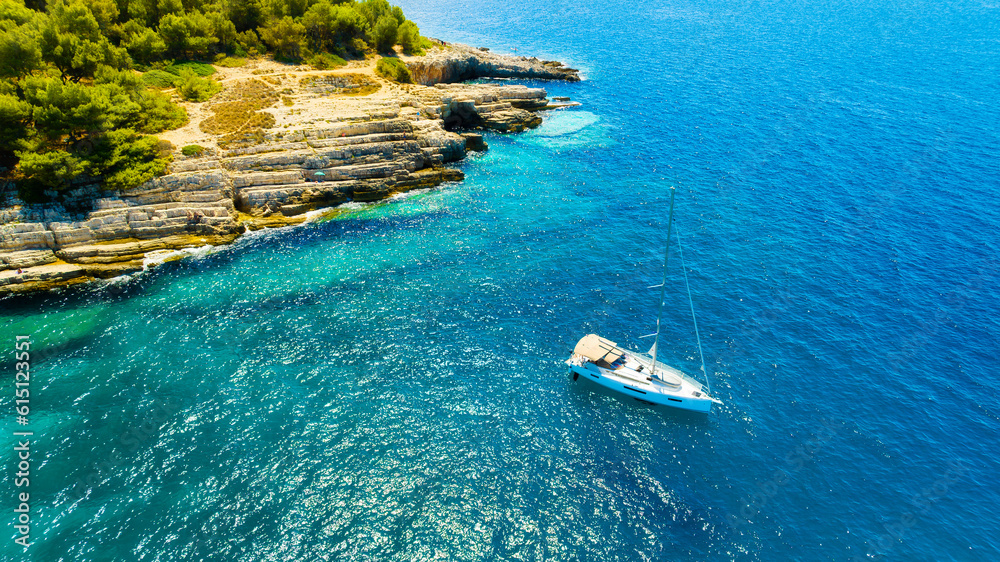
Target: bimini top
column 596, row 349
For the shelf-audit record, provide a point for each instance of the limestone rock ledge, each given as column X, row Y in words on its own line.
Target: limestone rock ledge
column 448, row 63
column 379, row 147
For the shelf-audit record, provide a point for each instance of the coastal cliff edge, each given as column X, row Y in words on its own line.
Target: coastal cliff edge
column 337, row 136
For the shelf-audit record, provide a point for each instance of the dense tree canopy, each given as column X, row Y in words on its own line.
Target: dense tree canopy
column 73, row 103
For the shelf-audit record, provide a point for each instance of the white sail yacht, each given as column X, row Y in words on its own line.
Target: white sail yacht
column 640, row 375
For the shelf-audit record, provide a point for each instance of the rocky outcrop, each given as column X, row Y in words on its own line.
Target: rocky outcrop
column 395, row 144
column 450, row 63
column 485, row 106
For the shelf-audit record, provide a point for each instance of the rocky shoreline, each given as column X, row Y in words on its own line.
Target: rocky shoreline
column 345, row 148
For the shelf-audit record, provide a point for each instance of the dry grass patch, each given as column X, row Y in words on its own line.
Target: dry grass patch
column 238, row 115
column 239, row 108
column 242, row 139
column 341, row 85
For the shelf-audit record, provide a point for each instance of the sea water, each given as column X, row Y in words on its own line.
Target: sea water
column 389, row 384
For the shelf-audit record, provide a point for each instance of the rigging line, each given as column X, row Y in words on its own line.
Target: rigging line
column 663, row 281
column 680, row 252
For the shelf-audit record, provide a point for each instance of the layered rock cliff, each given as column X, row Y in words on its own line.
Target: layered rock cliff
column 453, row 62
column 344, row 149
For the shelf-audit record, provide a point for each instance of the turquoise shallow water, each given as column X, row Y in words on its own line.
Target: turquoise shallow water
column 389, row 385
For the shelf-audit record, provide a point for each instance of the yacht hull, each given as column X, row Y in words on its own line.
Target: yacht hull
column 646, row 391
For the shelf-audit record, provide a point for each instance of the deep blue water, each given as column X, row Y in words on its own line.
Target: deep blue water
column 390, row 386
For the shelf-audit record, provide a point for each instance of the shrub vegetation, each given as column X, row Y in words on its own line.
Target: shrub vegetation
column 393, row 69
column 192, row 150
column 160, row 79
column 198, row 68
column 326, row 61
column 193, row 88
column 72, row 108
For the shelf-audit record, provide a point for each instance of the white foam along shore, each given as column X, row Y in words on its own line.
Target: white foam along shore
column 157, row 258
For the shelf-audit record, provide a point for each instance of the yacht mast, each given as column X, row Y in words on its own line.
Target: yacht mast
column 663, row 282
